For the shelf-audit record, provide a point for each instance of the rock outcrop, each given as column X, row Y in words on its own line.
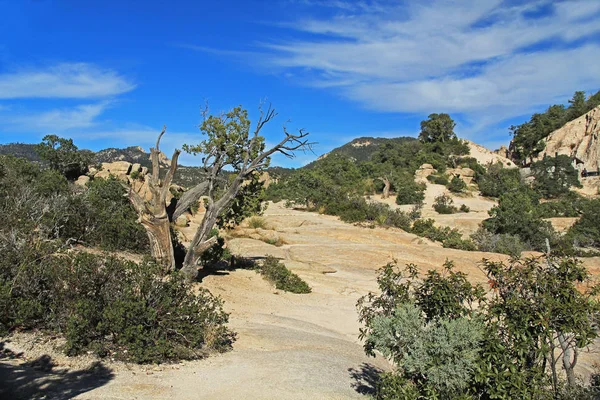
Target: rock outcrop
column 423, row 172
column 577, row 139
column 485, row 156
column 464, row 173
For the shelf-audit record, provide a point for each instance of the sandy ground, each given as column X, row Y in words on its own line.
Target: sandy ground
column 289, row 346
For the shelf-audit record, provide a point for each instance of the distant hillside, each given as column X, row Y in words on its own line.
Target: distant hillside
column 362, row 149
column 21, row 150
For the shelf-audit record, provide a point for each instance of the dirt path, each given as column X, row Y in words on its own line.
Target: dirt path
column 291, row 346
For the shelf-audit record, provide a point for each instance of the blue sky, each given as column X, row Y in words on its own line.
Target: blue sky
column 111, row 73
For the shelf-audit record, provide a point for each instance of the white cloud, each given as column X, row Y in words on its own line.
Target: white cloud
column 484, row 59
column 57, row 120
column 67, row 80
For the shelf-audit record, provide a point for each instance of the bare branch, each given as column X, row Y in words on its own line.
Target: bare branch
column 169, row 176
column 164, row 129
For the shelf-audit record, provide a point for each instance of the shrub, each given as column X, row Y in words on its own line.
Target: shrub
column 283, row 279
column 586, row 231
column 443, row 204
column 455, row 241
column 399, row 219
column 571, row 204
column 438, row 179
column 554, row 176
column 257, row 223
column 464, row 208
column 111, row 306
column 498, row 243
column 498, row 180
column 408, row 191
column 456, row 185
column 517, row 214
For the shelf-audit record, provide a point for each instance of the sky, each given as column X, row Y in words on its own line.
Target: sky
column 112, row 73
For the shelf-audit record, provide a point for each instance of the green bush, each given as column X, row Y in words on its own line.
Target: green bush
column 586, row 231
column 499, row 180
column 444, row 204
column 455, row 241
column 464, row 208
column 449, row 339
column 438, row 179
column 112, row 306
column 571, row 204
column 283, row 279
column 498, row 243
column 456, row 185
column 408, row 191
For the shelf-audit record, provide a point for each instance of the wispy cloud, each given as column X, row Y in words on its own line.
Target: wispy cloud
column 57, row 120
column 487, row 59
column 67, row 80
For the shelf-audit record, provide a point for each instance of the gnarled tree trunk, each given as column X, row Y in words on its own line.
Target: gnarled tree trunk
column 152, row 208
column 386, row 187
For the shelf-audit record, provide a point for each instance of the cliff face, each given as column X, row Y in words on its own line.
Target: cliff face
column 578, row 138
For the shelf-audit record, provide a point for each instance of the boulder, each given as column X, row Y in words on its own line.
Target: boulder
column 464, row 173
column 144, row 171
column 82, row 180
column 181, row 221
column 136, row 168
column 117, row 168
column 423, row 172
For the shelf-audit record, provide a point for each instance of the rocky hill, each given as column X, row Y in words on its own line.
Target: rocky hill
column 577, row 139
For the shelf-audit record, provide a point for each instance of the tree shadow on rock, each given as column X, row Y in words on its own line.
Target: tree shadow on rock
column 366, row 378
column 40, row 378
column 224, row 267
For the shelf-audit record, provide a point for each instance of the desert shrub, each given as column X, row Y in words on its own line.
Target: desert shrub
column 570, row 204
column 498, row 243
column 283, row 279
column 257, row 223
column 438, row 179
column 464, row 208
column 586, row 231
column 444, row 204
column 451, row 340
column 408, row 191
column 426, row 329
column 455, row 241
column 554, row 176
column 399, row 219
column 104, row 217
column 517, row 213
column 456, row 185
column 111, row 306
column 498, row 180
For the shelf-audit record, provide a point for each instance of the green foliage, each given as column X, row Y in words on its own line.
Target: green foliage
column 571, row 204
column 517, row 214
column 503, row 243
column 464, row 208
column 499, row 180
column 283, row 279
column 425, row 329
column 62, row 155
column 450, row 238
column 408, row 191
column 104, row 217
column 437, row 128
column 457, row 185
column 586, row 231
column 554, row 176
column 444, row 204
column 111, row 306
column 438, row 179
column 249, row 201
column 449, row 339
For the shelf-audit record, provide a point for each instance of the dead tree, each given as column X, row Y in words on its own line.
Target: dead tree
column 230, row 144
column 386, row 187
column 152, row 209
